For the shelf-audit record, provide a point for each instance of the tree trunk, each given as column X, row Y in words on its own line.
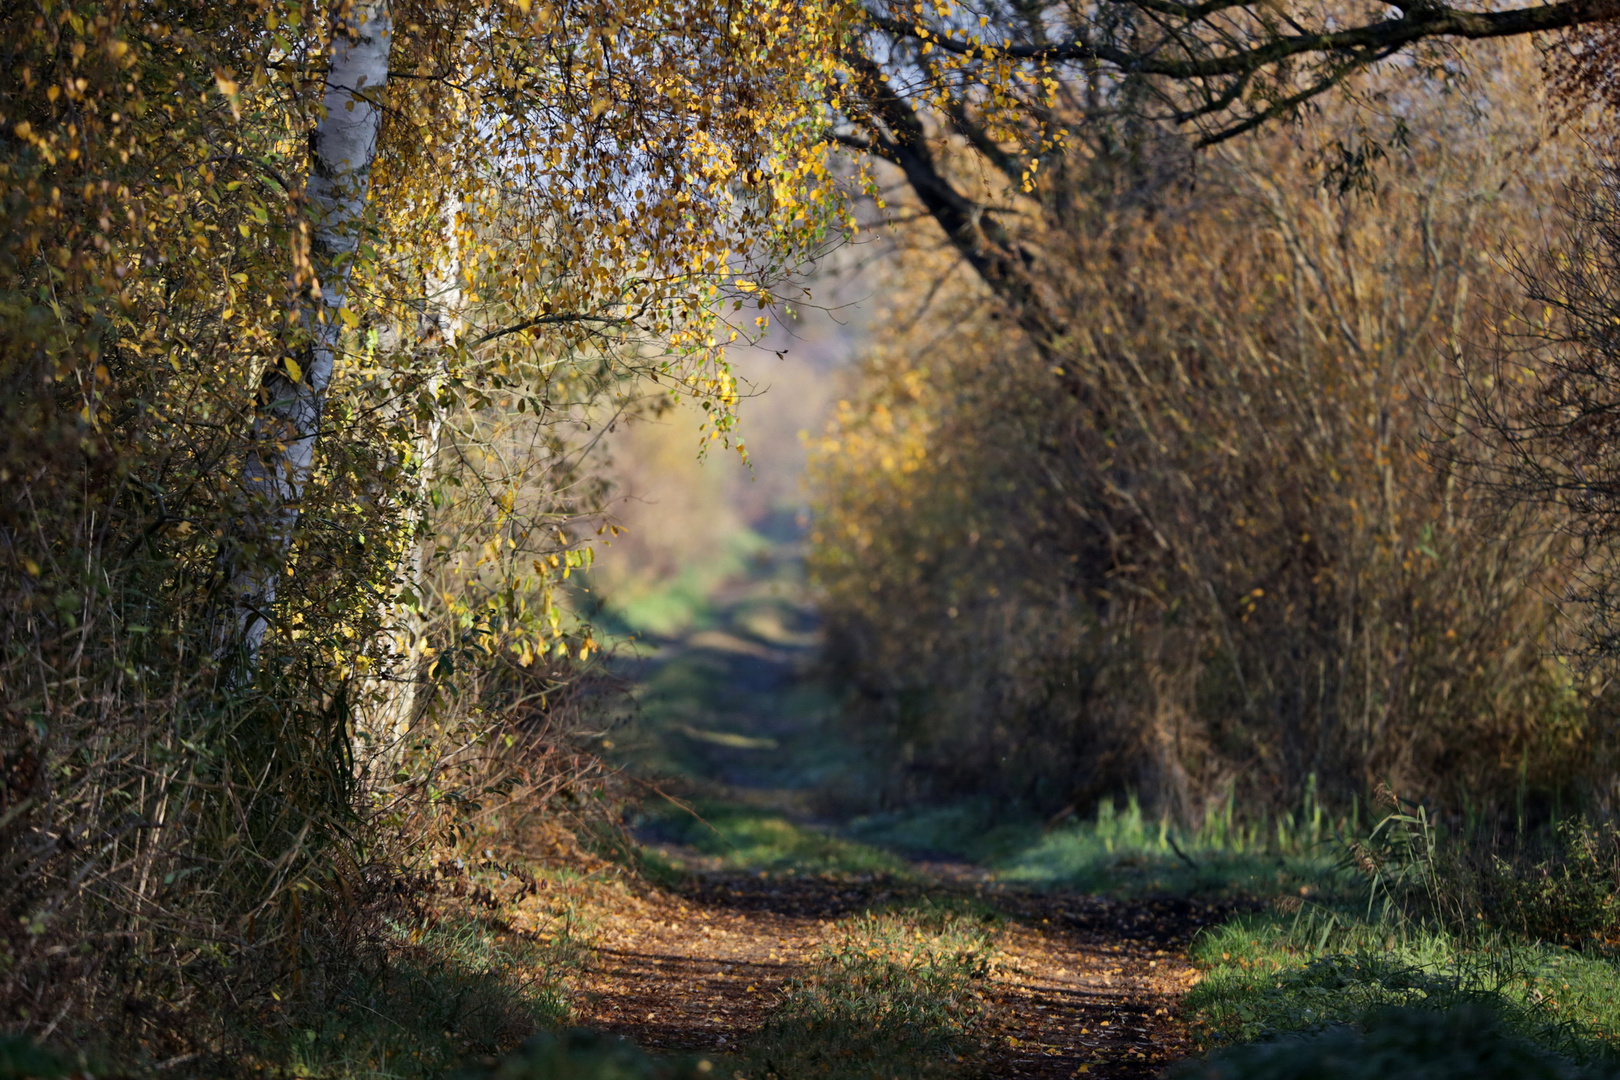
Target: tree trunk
column 388, row 720
column 293, row 395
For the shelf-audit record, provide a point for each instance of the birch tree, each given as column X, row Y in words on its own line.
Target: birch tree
column 211, row 213
column 619, row 169
column 293, row 393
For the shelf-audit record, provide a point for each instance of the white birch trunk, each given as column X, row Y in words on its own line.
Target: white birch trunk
column 342, row 148
column 440, row 331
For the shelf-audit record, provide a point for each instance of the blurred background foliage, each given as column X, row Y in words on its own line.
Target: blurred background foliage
column 1250, row 544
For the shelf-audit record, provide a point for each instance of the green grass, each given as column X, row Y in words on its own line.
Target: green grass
column 437, row 993
column 684, row 602
column 729, row 700
column 1415, row 920
column 1126, row 854
column 1323, row 969
column 1123, row 852
column 579, row 1054
column 894, row 995
column 1321, row 965
column 20, row 1059
column 972, row 830
column 743, row 838
column 1467, row 1042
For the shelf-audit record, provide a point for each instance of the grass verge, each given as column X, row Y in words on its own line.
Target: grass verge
column 1276, row 973
column 434, row 993
column 431, row 992
column 1122, row 852
column 716, row 835
column 1467, row 1042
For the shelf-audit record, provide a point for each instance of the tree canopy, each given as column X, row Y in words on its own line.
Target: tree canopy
column 983, row 107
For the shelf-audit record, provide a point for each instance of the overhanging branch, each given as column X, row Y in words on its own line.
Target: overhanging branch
column 1418, row 22
column 543, row 320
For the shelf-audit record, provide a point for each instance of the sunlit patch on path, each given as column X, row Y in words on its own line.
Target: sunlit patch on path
column 1083, row 986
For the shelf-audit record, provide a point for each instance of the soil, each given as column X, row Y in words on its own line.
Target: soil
column 1086, row 986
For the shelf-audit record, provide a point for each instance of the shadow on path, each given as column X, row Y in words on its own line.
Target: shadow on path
column 1087, row 986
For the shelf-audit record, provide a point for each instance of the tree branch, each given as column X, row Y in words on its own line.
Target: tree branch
column 543, row 320
column 1418, row 22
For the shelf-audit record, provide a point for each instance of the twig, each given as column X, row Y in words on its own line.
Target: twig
column 1182, row 855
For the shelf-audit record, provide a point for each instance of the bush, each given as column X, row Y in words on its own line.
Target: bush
column 1245, row 550
column 1571, row 896
column 1560, row 884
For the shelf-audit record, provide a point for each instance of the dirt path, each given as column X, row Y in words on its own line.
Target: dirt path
column 732, row 709
column 1087, row 987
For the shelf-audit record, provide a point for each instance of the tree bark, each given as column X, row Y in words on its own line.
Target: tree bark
column 439, row 332
column 293, row 395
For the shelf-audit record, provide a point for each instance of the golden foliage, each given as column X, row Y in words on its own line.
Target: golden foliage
column 557, row 184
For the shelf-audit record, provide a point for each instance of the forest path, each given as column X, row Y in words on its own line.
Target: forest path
column 735, row 723
column 1083, row 987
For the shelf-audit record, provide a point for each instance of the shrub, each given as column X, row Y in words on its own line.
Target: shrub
column 1571, row 896
column 1244, row 550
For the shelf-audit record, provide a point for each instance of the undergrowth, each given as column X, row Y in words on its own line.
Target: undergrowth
column 436, row 992
column 1274, row 973
column 476, row 960
column 1123, row 852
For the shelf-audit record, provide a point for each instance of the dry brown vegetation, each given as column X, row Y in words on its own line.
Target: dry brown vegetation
column 1224, row 533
